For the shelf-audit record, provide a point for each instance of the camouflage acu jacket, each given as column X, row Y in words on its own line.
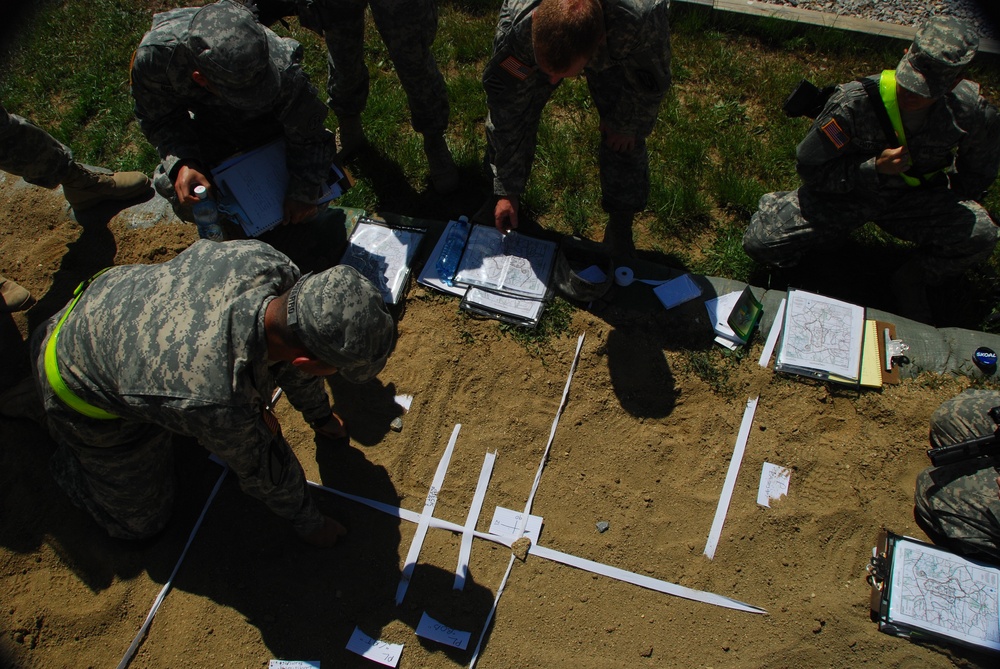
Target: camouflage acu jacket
column 182, row 345
column 960, row 134
column 166, row 96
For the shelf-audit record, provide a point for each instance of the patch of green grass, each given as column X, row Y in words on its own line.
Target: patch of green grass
column 555, row 323
column 720, row 141
column 725, row 257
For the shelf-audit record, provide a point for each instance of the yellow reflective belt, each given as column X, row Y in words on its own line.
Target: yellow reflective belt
column 55, row 379
column 887, row 89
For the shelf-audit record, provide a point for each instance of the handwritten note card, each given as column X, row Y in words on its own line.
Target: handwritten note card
column 773, row 483
column 373, row 649
column 505, row 523
column 431, row 629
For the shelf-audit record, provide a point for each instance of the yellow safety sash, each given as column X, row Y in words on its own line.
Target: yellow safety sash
column 887, row 89
column 55, row 379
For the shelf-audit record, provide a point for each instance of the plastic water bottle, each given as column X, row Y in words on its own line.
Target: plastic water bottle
column 451, row 252
column 206, row 215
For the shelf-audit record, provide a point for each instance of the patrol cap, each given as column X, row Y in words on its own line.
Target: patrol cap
column 231, row 49
column 340, row 317
column 942, row 48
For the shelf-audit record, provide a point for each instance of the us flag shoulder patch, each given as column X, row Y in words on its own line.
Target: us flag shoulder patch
column 516, row 68
column 835, row 133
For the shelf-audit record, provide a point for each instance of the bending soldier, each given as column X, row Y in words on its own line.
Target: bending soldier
column 196, row 346
column 623, row 48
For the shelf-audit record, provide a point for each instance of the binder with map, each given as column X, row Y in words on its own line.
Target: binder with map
column 821, row 337
column 517, row 265
column 383, row 254
column 920, row 591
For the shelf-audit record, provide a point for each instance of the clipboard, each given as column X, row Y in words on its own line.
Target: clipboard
column 899, row 563
column 873, row 356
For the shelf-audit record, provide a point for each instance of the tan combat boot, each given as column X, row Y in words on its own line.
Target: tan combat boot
column 13, row 296
column 618, row 234
column 440, row 164
column 350, row 135
column 85, row 188
column 23, row 401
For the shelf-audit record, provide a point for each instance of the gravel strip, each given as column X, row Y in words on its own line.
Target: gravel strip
column 904, row 12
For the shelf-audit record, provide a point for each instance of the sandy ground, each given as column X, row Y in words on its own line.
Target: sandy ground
column 643, row 444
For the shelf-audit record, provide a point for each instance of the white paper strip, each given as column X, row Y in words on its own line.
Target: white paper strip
column 549, row 554
column 552, row 435
column 429, row 504
column 170, row 581
column 727, row 487
column 431, row 629
column 531, row 496
column 293, row 664
column 465, row 550
column 772, row 335
column 642, row 581
column 373, row 649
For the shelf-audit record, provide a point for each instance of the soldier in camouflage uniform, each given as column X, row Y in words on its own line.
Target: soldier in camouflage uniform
column 408, row 30
column 196, row 346
column 36, row 156
column 623, row 49
column 851, row 175
column 210, row 81
column 960, row 502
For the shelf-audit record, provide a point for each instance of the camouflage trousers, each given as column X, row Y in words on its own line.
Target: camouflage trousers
column 408, row 30
column 961, row 501
column 31, row 153
column 951, row 234
column 624, row 174
column 120, row 472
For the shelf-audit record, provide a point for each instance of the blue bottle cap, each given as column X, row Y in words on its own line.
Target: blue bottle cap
column 985, row 359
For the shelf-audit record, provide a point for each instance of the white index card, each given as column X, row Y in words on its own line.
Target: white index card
column 773, row 483
column 382, row 652
column 293, row 664
column 505, row 523
column 431, row 629
column 404, row 401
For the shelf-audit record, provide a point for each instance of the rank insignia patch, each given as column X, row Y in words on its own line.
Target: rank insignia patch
column 516, row 68
column 834, row 133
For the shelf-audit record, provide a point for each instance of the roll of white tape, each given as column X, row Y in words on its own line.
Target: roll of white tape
column 624, row 276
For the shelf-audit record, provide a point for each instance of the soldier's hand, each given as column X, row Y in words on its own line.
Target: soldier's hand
column 296, row 212
column 618, row 142
column 188, row 177
column 893, row 161
column 327, row 535
column 505, row 213
column 333, row 428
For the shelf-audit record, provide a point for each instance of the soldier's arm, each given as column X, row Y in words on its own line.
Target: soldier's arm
column 309, row 146
column 978, row 158
column 306, row 393
column 162, row 118
column 830, row 159
column 250, row 442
